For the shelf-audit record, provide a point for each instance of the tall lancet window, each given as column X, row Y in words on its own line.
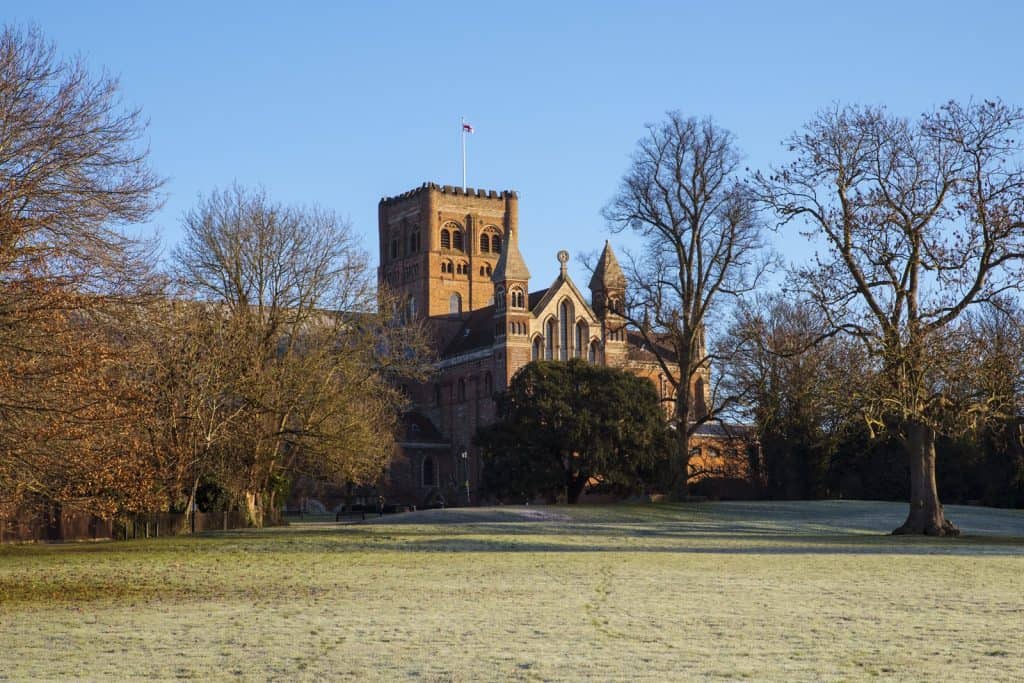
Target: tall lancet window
column 566, row 315
column 582, row 332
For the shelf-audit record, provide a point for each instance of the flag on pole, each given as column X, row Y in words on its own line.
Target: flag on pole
column 466, row 128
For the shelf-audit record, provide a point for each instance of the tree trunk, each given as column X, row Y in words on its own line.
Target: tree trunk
column 575, row 489
column 681, row 476
column 254, row 508
column 190, row 506
column 926, row 515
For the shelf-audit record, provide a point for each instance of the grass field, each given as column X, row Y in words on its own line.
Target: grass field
column 757, row 591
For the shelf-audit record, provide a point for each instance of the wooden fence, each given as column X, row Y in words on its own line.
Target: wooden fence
column 58, row 524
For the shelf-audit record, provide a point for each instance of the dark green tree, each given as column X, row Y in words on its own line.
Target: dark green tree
column 564, row 424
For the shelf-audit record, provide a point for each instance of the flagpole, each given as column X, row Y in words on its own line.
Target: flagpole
column 462, row 131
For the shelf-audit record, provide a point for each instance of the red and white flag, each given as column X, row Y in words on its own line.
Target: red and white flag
column 466, row 128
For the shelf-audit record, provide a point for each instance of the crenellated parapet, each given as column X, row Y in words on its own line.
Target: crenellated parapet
column 478, row 193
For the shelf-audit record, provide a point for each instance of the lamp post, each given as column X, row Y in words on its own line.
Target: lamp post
column 465, row 470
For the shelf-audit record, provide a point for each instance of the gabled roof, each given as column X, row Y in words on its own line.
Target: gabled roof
column 638, row 349
column 536, row 298
column 607, row 274
column 477, row 332
column 417, row 427
column 725, row 430
column 548, row 294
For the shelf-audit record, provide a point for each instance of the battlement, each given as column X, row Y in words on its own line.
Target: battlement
column 451, row 189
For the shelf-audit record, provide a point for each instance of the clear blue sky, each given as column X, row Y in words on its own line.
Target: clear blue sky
column 341, row 103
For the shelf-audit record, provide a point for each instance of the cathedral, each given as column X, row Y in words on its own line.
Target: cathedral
column 452, row 256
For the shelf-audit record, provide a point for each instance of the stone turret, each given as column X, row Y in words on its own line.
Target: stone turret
column 511, row 265
column 608, row 284
column 511, row 279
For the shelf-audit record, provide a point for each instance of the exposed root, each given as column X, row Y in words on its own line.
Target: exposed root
column 947, row 528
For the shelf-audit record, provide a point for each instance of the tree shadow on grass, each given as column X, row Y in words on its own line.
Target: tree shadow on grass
column 690, row 538
column 720, row 544
column 821, row 527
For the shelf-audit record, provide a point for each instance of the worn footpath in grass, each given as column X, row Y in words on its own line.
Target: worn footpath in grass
column 758, row 591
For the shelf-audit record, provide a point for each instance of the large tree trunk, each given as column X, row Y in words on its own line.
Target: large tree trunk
column 681, row 475
column 926, row 515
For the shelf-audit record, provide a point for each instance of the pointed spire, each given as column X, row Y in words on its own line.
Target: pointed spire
column 607, row 274
column 511, row 265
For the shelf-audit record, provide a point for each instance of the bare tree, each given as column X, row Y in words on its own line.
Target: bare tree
column 702, row 245
column 920, row 220
column 71, row 173
column 312, row 358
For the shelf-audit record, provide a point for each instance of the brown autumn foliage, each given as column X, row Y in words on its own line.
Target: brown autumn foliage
column 70, row 172
column 299, row 361
column 116, row 397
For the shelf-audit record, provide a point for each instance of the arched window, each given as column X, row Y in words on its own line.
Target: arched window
column 446, row 239
column 564, row 340
column 482, row 271
column 394, row 249
column 455, row 304
column 457, row 240
column 582, row 332
column 538, row 345
column 485, row 243
column 462, row 390
column 551, row 331
column 488, row 269
column 592, row 356
column 488, row 385
column 517, row 298
column 414, row 242
column 499, row 299
column 496, row 244
column 429, row 475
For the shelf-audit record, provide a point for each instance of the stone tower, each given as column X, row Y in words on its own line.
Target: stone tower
column 608, row 295
column 439, row 247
